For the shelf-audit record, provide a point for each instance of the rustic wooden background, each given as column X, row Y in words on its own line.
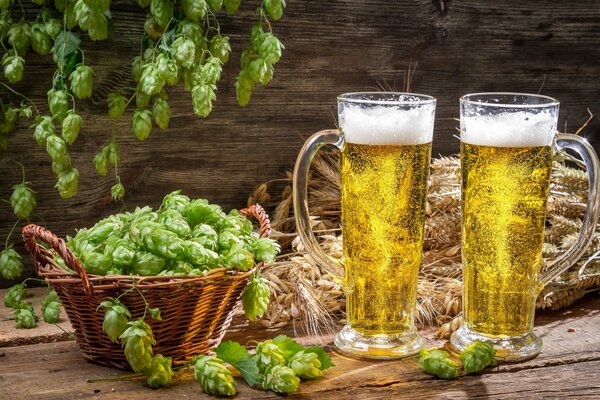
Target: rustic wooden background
column 335, row 46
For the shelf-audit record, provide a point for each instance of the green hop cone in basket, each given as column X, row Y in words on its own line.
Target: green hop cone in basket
column 477, row 356
column 116, row 105
column 14, row 295
column 82, row 81
column 213, row 376
column 22, row 200
column 159, row 373
column 255, row 297
column 123, row 252
column 142, row 124
column 265, row 249
column 25, row 316
column 220, row 48
column 58, row 102
column 280, row 379
column 268, row 354
column 306, row 365
column 438, row 363
column 71, row 126
column 138, row 341
column 51, row 312
column 116, row 319
column 14, row 66
column 11, row 263
column 240, row 259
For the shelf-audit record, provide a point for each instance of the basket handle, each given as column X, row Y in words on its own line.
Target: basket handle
column 32, row 232
column 260, row 215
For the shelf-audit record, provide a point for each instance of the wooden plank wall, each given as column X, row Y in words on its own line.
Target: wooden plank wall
column 331, row 47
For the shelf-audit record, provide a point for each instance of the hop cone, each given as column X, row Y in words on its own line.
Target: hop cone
column 159, row 373
column 52, row 296
column 51, row 312
column 142, row 124
column 138, row 341
column 22, row 200
column 13, row 68
column 116, row 105
column 437, row 363
column 58, row 103
column 256, row 298
column 214, row 377
column 25, row 316
column 281, row 379
column 477, row 356
column 71, row 126
column 82, row 81
column 11, row 264
column 116, row 319
column 306, row 365
column 14, row 295
column 67, row 183
column 268, row 354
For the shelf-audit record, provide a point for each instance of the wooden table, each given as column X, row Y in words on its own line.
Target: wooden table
column 47, row 365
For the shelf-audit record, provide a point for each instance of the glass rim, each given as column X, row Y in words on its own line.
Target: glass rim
column 548, row 101
column 354, row 97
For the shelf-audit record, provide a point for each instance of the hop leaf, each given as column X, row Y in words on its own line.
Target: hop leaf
column 268, row 354
column 142, row 124
column 15, row 295
column 281, row 379
column 116, row 319
column 477, row 356
column 116, row 105
column 82, row 81
column 22, row 200
column 71, row 126
column 195, row 9
column 25, row 316
column 58, row 103
column 184, row 51
column 138, row 341
column 255, row 298
column 161, row 112
column 67, row 183
column 214, row 378
column 51, row 312
column 202, row 98
column 220, row 48
column 11, row 263
column 306, row 365
column 13, row 68
column 438, row 363
column 159, row 373
column 117, row 191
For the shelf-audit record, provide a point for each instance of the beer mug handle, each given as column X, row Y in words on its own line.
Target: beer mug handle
column 590, row 159
column 300, row 195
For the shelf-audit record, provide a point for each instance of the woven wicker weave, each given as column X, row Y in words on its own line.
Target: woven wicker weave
column 196, row 310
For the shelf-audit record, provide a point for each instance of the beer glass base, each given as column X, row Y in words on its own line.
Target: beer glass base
column 508, row 348
column 352, row 343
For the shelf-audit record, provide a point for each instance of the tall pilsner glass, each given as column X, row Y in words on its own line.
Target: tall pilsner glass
column 385, row 140
column 507, row 142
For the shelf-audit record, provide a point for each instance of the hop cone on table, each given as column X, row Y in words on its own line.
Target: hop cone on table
column 25, row 316
column 268, row 354
column 306, row 365
column 11, row 264
column 438, row 363
column 281, row 379
column 116, row 319
column 159, row 373
column 214, row 377
column 138, row 341
column 477, row 356
column 14, row 295
column 51, row 312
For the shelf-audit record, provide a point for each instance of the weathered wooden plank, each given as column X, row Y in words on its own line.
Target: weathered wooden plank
column 567, row 367
column 331, row 47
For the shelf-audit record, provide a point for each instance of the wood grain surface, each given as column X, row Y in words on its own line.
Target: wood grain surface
column 567, row 367
column 332, row 47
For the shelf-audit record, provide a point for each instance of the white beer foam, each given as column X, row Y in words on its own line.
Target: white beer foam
column 387, row 124
column 516, row 129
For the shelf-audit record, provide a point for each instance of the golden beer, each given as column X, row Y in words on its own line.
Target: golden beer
column 384, row 189
column 505, row 190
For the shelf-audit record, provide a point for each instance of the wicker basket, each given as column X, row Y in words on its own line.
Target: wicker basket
column 195, row 310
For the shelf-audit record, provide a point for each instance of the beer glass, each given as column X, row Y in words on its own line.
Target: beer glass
column 507, row 141
column 385, row 142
